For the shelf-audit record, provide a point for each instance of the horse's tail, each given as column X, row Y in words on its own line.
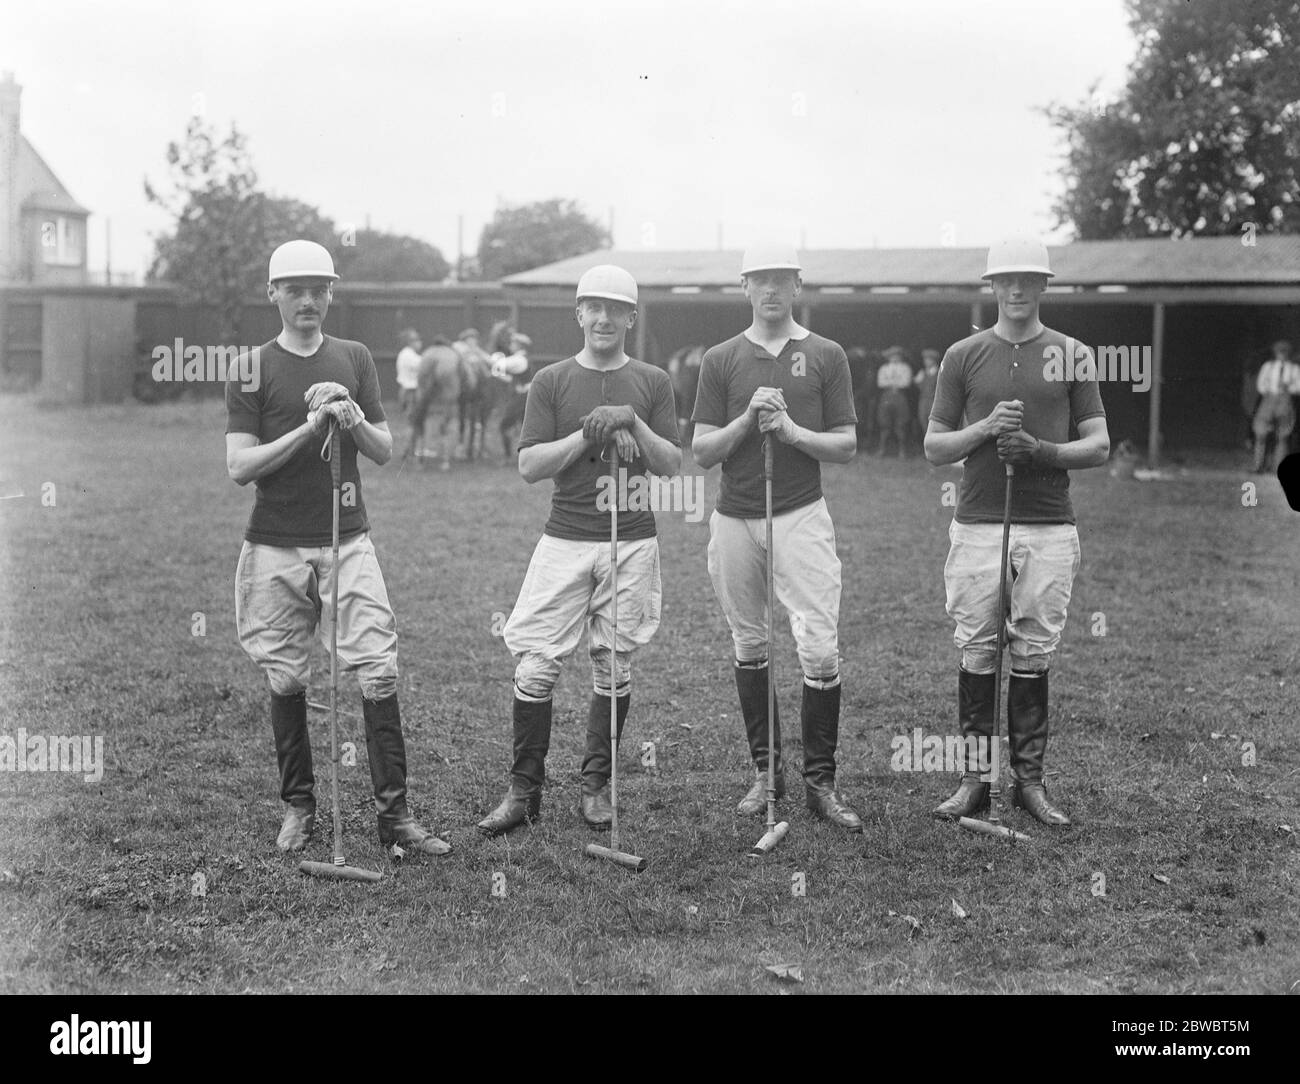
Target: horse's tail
column 426, row 391
column 469, row 377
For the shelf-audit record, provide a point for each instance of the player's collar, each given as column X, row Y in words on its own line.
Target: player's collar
column 1042, row 330
column 294, row 353
column 592, row 369
column 800, row 333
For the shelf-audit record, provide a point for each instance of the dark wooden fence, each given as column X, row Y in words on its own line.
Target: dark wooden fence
column 88, row 344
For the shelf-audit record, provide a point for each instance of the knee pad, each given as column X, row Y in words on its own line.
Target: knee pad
column 285, row 682
column 535, row 677
column 378, row 680
column 748, row 651
column 1031, row 666
column 979, row 660
column 821, row 663
column 378, row 688
column 600, row 671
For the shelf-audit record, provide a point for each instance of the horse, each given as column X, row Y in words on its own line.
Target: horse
column 481, row 393
column 684, row 372
column 479, row 396
column 438, row 393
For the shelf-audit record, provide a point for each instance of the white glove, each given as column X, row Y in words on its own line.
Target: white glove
column 345, row 412
column 324, row 392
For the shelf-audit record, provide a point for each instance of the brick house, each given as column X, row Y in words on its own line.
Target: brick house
column 42, row 228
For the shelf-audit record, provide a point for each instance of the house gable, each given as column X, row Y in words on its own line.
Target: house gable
column 37, row 188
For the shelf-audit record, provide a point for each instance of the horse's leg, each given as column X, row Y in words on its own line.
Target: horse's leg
column 446, row 437
column 474, row 446
column 482, row 408
column 417, row 434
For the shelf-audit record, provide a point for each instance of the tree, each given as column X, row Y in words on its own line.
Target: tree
column 1204, row 139
column 375, row 256
column 225, row 226
column 519, row 238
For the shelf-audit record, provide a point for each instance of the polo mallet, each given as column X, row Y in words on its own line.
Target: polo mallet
column 631, row 861
column 992, row 827
column 775, row 832
column 338, row 869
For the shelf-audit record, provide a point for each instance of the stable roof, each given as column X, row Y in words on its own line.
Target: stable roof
column 1201, row 261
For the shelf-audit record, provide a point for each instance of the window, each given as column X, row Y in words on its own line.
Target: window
column 62, row 241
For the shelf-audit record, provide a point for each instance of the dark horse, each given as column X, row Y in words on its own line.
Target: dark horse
column 684, row 372
column 480, row 394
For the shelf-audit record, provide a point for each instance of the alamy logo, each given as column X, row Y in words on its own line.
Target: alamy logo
column 77, row 1036
column 82, row 753
column 922, row 752
column 217, row 364
column 650, row 493
column 1113, row 364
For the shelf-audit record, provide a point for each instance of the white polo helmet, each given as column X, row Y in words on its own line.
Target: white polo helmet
column 770, row 258
column 607, row 281
column 1023, row 254
column 301, row 260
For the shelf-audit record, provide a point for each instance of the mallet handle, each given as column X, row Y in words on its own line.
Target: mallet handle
column 771, row 649
column 613, row 650
column 995, row 775
column 336, row 479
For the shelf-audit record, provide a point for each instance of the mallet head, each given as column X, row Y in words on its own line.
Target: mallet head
column 631, row 861
column 984, row 828
column 339, row 873
column 770, row 839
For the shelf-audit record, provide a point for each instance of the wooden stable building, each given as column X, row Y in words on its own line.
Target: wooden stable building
column 1202, row 312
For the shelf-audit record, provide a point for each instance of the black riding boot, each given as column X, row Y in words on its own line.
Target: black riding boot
column 751, row 685
column 596, row 810
column 532, row 739
column 386, row 751
column 975, row 696
column 297, row 783
column 1027, row 728
column 820, row 718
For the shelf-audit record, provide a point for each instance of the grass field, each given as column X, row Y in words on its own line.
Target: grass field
column 98, row 597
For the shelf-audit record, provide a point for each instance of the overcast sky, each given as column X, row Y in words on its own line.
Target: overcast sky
column 840, row 123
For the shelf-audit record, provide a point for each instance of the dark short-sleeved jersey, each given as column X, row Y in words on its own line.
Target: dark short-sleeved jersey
column 294, row 505
column 562, row 395
column 983, row 370
column 813, row 375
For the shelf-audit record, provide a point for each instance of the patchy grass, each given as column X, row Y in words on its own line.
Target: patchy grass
column 96, row 880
